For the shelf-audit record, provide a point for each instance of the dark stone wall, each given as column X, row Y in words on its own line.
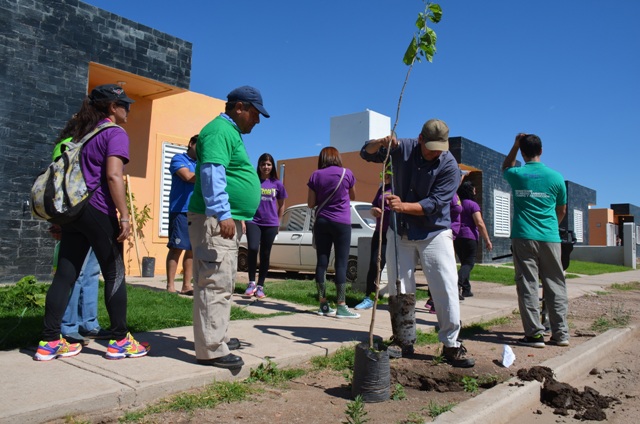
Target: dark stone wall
column 45, row 50
column 578, row 197
column 489, row 161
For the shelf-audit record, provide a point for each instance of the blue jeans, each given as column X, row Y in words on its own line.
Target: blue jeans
column 82, row 310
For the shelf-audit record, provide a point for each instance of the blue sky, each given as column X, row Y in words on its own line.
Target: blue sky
column 568, row 71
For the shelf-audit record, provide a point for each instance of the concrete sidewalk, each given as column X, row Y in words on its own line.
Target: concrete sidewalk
column 34, row 392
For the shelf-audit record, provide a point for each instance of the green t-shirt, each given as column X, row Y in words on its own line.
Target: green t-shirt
column 537, row 190
column 220, row 142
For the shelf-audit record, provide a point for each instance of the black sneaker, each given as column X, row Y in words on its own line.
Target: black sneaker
column 457, row 357
column 467, row 293
column 536, row 341
column 76, row 337
column 97, row 333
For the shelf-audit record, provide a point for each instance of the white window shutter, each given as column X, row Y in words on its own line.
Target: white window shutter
column 501, row 214
column 578, row 225
column 168, row 151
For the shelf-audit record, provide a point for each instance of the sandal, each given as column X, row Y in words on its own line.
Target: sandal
column 187, row 293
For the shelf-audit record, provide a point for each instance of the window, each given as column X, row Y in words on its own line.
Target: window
column 293, row 219
column 168, row 151
column 577, row 225
column 501, row 214
column 365, row 214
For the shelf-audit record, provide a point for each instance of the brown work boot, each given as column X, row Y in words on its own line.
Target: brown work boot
column 457, row 357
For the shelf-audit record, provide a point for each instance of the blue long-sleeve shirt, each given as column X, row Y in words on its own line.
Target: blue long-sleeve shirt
column 213, row 182
column 417, row 180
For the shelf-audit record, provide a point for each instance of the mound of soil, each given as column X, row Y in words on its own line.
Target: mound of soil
column 562, row 397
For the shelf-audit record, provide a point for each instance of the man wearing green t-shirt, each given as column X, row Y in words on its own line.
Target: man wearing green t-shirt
column 539, row 205
column 226, row 193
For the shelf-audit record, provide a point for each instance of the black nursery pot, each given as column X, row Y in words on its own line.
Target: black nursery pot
column 148, row 266
column 371, row 374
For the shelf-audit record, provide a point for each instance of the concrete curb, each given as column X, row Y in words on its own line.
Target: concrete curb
column 503, row 404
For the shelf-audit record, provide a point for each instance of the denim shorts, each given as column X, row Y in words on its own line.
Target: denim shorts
column 178, row 231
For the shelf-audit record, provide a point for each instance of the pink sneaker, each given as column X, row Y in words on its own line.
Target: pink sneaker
column 260, row 292
column 56, row 349
column 429, row 304
column 251, row 289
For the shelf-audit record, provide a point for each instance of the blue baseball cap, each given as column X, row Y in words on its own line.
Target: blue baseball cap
column 248, row 94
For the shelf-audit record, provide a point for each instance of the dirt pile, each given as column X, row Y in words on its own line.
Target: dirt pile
column 588, row 404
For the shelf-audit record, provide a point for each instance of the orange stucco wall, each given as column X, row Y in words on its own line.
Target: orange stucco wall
column 173, row 119
column 297, row 173
column 598, row 220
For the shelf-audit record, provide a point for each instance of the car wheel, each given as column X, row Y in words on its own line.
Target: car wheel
column 352, row 269
column 243, row 260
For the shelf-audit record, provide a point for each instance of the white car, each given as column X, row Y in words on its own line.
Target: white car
column 292, row 250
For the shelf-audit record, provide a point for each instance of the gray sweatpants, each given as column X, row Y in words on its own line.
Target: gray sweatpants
column 533, row 261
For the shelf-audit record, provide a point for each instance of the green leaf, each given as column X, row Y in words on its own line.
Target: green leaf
column 410, row 54
column 428, row 51
column 433, row 36
column 426, row 39
column 436, row 11
column 420, row 22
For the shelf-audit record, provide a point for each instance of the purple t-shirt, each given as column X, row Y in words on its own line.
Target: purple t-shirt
column 377, row 202
column 267, row 214
column 468, row 227
column 323, row 182
column 113, row 141
column 455, row 210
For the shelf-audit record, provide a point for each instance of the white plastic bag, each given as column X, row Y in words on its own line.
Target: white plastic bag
column 508, row 357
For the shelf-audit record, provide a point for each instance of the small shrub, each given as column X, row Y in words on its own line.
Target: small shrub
column 398, row 392
column 436, row 409
column 268, row 373
column 616, row 318
column 355, row 412
column 26, row 293
column 470, row 384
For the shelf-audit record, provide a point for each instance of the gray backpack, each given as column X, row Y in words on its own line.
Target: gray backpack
column 60, row 193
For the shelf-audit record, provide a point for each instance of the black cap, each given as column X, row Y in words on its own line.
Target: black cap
column 248, row 94
column 109, row 92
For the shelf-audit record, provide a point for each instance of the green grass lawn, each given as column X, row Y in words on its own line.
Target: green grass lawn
column 22, row 311
column 592, row 268
column 505, row 275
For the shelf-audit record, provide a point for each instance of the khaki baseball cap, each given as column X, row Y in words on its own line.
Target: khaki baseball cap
column 436, row 135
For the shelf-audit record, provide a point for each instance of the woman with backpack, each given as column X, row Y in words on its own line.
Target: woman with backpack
column 103, row 225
